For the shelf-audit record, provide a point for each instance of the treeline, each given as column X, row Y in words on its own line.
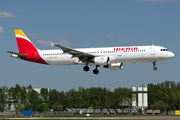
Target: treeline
column 165, row 95
column 26, row 98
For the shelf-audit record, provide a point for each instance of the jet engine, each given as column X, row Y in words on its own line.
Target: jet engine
column 103, row 60
column 111, row 59
column 114, row 66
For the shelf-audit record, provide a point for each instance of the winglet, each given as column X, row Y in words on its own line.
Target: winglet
column 52, row 44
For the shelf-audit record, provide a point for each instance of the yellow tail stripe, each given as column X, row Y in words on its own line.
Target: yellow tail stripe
column 20, row 32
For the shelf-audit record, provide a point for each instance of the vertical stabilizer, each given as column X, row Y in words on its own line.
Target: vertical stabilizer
column 24, row 44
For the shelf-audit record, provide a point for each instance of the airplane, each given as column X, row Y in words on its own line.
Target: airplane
column 108, row 57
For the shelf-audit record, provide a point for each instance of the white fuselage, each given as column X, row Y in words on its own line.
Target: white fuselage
column 129, row 54
column 108, row 57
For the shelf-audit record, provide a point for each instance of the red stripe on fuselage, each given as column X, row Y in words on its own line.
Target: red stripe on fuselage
column 26, row 47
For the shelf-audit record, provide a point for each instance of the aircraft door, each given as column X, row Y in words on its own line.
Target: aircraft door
column 153, row 50
column 36, row 56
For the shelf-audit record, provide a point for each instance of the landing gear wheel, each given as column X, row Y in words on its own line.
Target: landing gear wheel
column 154, row 64
column 96, row 71
column 86, row 68
column 154, row 68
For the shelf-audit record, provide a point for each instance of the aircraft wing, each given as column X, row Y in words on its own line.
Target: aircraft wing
column 19, row 54
column 84, row 57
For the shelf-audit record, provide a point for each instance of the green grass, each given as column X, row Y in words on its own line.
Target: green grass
column 69, row 116
column 23, row 116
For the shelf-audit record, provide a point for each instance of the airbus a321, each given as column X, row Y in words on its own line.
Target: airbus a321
column 108, row 57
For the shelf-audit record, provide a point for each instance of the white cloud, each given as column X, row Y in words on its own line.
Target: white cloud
column 6, row 15
column 66, row 43
column 44, row 43
column 1, row 30
column 157, row 0
column 33, row 35
column 111, row 37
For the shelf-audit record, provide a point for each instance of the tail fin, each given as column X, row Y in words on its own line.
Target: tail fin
column 24, row 44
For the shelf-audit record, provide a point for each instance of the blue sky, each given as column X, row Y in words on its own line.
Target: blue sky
column 89, row 23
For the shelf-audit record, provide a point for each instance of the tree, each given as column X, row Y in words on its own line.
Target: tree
column 167, row 91
column 152, row 93
column 27, row 104
column 72, row 98
column 160, row 105
column 121, row 95
column 2, row 99
column 33, row 99
column 95, row 96
column 52, row 98
column 85, row 101
column 21, row 108
column 42, row 107
column 23, row 96
column 62, row 100
column 108, row 97
column 44, row 95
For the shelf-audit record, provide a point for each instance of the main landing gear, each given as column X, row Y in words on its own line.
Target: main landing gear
column 95, row 71
column 86, row 68
column 154, row 64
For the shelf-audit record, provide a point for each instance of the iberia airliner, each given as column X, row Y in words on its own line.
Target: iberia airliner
column 109, row 57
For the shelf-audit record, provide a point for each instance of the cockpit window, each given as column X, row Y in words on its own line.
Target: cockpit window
column 164, row 50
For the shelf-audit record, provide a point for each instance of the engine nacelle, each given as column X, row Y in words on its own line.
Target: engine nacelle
column 111, row 59
column 114, row 66
column 103, row 60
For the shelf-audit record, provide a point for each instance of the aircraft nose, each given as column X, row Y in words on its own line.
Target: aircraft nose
column 171, row 55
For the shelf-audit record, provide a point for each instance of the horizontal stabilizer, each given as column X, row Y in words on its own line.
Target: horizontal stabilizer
column 19, row 54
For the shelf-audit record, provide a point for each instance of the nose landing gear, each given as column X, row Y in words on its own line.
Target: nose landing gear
column 154, row 64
